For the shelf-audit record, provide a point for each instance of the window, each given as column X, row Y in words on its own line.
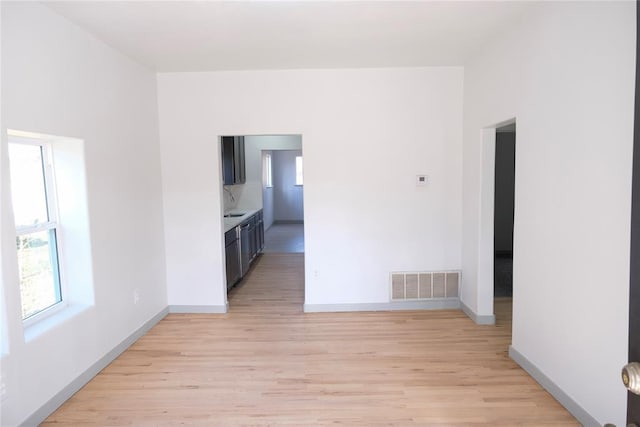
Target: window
column 268, row 173
column 35, row 213
column 298, row 170
column 53, row 241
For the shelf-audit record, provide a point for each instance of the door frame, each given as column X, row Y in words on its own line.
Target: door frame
column 633, row 401
column 221, row 196
column 485, row 272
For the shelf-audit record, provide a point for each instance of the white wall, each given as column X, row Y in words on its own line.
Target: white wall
column 58, row 80
column 366, row 134
column 288, row 198
column 567, row 76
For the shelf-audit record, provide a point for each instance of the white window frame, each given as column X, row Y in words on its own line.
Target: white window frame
column 299, row 171
column 268, row 171
column 51, row 225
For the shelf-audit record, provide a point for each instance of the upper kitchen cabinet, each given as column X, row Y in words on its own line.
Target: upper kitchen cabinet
column 233, row 170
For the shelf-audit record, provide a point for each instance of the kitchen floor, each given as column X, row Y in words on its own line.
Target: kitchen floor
column 284, row 238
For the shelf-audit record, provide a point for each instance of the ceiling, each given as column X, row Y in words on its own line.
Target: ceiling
column 248, row 35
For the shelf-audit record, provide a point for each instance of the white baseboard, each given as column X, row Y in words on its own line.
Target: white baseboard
column 199, row 309
column 439, row 304
column 63, row 395
column 479, row 319
column 570, row 405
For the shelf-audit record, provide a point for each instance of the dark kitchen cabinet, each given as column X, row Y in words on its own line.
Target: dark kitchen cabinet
column 233, row 163
column 232, row 255
column 243, row 244
column 253, row 238
column 260, row 231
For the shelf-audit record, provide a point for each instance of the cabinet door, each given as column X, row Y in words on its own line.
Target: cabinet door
column 239, row 161
column 233, row 163
column 232, row 255
column 228, row 160
column 253, row 238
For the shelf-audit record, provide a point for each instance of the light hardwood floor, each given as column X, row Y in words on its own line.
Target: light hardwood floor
column 266, row 363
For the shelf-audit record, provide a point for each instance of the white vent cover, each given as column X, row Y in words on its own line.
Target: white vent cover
column 424, row 285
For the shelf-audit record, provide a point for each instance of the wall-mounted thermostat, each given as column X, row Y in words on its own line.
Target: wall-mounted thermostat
column 422, row 180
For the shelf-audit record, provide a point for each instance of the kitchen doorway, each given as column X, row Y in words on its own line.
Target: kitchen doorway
column 263, row 193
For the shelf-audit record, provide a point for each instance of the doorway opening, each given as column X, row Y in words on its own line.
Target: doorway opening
column 263, row 215
column 503, row 210
column 487, row 311
column 504, row 192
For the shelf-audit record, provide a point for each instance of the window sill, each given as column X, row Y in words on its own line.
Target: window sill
column 46, row 324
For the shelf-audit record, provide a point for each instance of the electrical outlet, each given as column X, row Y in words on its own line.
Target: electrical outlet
column 136, row 296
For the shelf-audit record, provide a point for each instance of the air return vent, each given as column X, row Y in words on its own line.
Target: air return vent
column 424, row 285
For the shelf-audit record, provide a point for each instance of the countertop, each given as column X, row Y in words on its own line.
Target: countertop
column 230, row 223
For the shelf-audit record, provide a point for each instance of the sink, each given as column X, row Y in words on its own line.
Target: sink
column 234, row 215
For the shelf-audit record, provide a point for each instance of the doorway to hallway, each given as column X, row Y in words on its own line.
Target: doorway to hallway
column 503, row 211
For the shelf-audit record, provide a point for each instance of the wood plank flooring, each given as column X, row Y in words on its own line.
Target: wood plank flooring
column 265, row 363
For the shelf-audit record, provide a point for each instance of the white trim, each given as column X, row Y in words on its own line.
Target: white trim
column 74, row 386
column 547, row 383
column 199, row 309
column 434, row 304
column 479, row 319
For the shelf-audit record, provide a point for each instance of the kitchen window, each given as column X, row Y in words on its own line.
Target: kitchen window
column 268, row 173
column 298, row 170
column 35, row 214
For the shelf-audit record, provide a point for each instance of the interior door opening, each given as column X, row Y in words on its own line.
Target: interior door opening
column 262, row 204
column 504, row 190
column 503, row 210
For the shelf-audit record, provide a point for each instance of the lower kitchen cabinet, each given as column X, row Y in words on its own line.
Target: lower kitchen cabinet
column 232, row 255
column 243, row 244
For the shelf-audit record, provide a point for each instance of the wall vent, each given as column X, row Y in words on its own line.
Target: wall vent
column 424, row 285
